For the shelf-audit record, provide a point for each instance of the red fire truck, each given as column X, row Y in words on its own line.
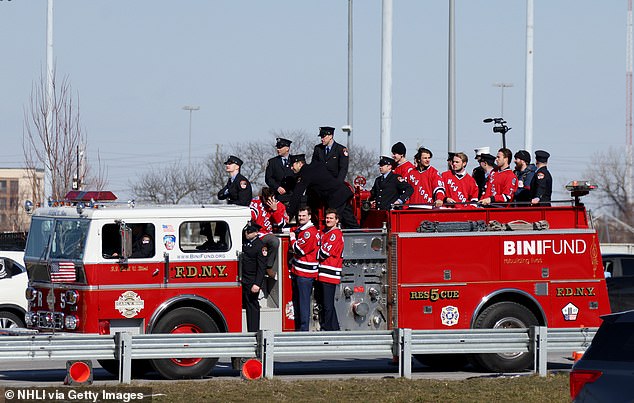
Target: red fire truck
column 417, row 268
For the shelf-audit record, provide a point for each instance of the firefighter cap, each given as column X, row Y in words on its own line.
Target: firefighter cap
column 385, row 160
column 326, row 131
column 280, row 142
column 450, row 155
column 296, row 158
column 482, row 150
column 488, row 158
column 541, row 156
column 234, row 160
column 523, row 155
column 252, row 227
column 399, row 148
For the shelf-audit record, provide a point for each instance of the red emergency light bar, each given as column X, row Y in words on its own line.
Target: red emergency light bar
column 78, row 196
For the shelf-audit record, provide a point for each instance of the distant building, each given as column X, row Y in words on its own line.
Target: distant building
column 16, row 186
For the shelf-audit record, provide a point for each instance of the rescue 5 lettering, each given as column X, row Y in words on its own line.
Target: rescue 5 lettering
column 545, row 246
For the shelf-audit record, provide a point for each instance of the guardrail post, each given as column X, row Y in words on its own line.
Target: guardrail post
column 123, row 341
column 266, row 351
column 539, row 337
column 403, row 347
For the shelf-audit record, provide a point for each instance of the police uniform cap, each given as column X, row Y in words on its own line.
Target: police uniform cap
column 234, row 160
column 296, row 158
column 326, row 131
column 482, row 150
column 541, row 156
column 280, row 142
column 252, row 227
column 385, row 160
column 523, row 155
column 399, row 148
column 450, row 155
column 490, row 159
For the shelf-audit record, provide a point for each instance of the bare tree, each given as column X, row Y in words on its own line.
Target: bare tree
column 54, row 136
column 616, row 203
column 172, row 184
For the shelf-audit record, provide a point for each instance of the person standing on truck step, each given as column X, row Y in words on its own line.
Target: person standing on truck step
column 479, row 173
column 268, row 213
column 502, row 181
column 403, row 166
column 542, row 183
column 389, row 188
column 524, row 171
column 304, row 247
column 331, row 154
column 279, row 176
column 426, row 180
column 330, row 257
column 238, row 188
column 459, row 185
column 253, row 264
column 314, row 180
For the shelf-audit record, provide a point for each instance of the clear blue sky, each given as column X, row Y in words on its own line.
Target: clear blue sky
column 255, row 66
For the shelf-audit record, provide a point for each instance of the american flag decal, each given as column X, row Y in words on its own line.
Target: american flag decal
column 62, row 272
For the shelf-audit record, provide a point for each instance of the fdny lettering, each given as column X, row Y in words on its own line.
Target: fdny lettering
column 434, row 294
column 575, row 292
column 200, row 272
column 545, row 246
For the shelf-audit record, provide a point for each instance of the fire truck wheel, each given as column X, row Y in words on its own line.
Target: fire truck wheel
column 10, row 320
column 185, row 320
column 447, row 362
column 139, row 367
column 505, row 315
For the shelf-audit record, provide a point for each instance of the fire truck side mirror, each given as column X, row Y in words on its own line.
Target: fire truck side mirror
column 126, row 241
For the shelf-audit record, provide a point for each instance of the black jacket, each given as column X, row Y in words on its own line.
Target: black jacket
column 314, row 176
column 336, row 161
column 253, row 262
column 542, row 186
column 390, row 189
column 238, row 192
column 277, row 175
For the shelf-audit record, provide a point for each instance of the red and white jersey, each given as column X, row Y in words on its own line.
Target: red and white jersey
column 501, row 186
column 461, row 188
column 404, row 169
column 265, row 217
column 330, row 256
column 428, row 186
column 305, row 248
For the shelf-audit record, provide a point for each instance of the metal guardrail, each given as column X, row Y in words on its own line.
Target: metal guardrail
column 268, row 345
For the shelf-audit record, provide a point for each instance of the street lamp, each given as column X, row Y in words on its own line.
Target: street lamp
column 190, row 108
column 502, row 86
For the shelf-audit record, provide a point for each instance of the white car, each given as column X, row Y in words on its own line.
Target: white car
column 13, row 284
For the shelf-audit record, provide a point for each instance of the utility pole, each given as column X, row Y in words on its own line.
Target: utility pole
column 386, row 77
column 190, row 108
column 628, row 103
column 528, row 113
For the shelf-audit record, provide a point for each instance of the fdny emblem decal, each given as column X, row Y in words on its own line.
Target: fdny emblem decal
column 169, row 241
column 570, row 311
column 449, row 315
column 289, row 311
column 306, row 234
column 129, row 304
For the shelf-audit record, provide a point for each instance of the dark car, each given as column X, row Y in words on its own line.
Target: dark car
column 619, row 273
column 605, row 372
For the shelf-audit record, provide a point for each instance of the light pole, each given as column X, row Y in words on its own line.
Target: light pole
column 190, row 108
column 502, row 86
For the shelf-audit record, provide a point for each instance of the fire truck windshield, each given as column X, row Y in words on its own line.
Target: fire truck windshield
column 56, row 238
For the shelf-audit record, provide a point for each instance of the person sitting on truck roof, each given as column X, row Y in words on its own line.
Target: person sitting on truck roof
column 502, row 181
column 460, row 186
column 426, row 180
column 389, row 188
column 268, row 212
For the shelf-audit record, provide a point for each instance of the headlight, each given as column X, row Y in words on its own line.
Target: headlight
column 30, row 293
column 71, row 322
column 72, row 297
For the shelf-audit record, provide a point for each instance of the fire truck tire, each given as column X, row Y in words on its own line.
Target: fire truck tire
column 447, row 362
column 10, row 320
column 185, row 320
column 505, row 315
column 139, row 367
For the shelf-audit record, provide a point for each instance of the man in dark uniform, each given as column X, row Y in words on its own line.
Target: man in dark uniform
column 389, row 188
column 478, row 173
column 253, row 266
column 238, row 189
column 332, row 154
column 279, row 176
column 542, row 183
column 315, row 177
